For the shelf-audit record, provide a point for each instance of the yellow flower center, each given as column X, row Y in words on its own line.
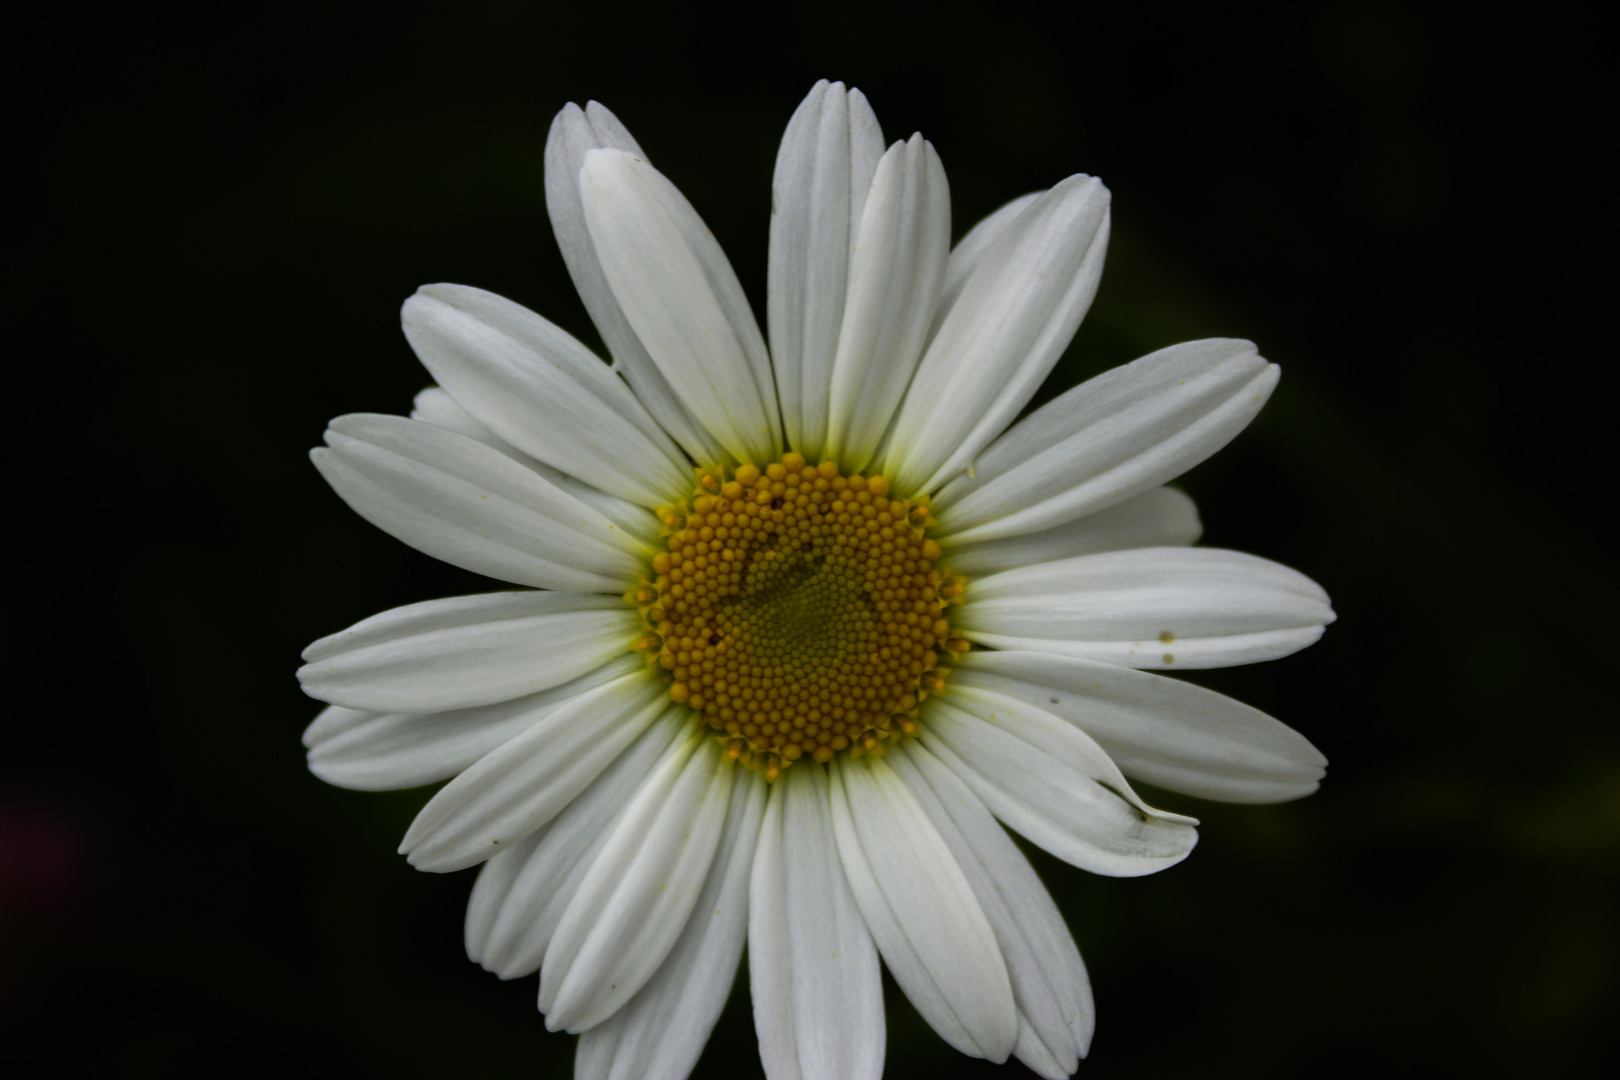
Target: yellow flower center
column 799, row 611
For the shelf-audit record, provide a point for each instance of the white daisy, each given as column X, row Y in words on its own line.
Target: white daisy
column 802, row 624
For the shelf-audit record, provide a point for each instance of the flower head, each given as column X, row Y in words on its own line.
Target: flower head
column 803, row 623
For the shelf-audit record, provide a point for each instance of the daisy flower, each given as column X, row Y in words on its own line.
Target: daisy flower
column 803, row 625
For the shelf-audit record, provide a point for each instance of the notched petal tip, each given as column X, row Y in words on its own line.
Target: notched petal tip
column 442, row 291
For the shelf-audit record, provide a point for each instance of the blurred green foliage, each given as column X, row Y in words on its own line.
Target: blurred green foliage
column 226, row 209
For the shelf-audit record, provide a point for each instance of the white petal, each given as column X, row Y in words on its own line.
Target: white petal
column 1127, row 430
column 922, row 911
column 1162, row 517
column 1149, row 608
column 458, row 500
column 683, row 299
column 333, row 721
column 490, row 892
column 1012, row 321
column 894, row 281
column 1164, row 731
column 543, row 392
column 660, row 1034
column 522, row 784
column 813, row 970
column 1049, row 981
column 574, row 133
column 970, row 251
column 823, row 169
column 402, row 750
column 1049, row 781
column 520, row 930
column 1037, row 1056
column 640, row 890
column 467, row 650
column 434, row 406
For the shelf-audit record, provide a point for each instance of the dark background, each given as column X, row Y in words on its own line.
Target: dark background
column 218, row 215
